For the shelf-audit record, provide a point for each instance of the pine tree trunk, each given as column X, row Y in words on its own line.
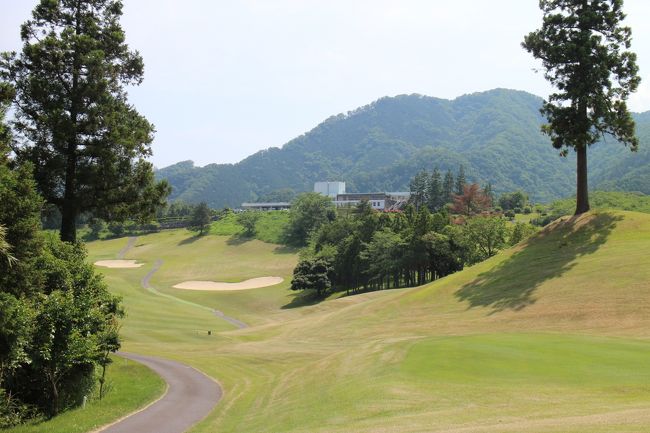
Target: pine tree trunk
column 68, row 210
column 582, row 189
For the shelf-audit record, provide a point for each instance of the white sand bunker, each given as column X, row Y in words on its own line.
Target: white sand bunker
column 253, row 283
column 118, row 264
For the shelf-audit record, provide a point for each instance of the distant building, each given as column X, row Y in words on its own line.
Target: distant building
column 266, row 206
column 383, row 201
column 330, row 189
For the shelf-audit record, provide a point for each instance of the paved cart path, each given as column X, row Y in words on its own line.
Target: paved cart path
column 190, row 396
column 129, row 245
column 146, row 284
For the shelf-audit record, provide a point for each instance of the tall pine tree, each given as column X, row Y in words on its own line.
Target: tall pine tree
column 584, row 50
column 419, row 189
column 87, row 143
column 460, row 180
column 448, row 187
column 435, row 191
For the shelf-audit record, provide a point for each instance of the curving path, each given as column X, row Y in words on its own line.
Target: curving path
column 129, row 245
column 190, row 396
column 146, row 280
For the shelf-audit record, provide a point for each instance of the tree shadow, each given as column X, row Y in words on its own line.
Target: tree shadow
column 285, row 249
column 549, row 254
column 303, row 299
column 238, row 239
column 191, row 239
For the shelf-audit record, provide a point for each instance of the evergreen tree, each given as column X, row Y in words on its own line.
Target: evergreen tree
column 448, row 187
column 435, row 198
column 201, row 218
column 419, row 189
column 489, row 193
column 460, row 181
column 20, row 206
column 583, row 48
column 87, row 143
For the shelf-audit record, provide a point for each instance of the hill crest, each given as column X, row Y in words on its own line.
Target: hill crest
column 381, row 145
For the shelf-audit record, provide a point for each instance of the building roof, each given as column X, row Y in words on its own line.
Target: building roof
column 270, row 204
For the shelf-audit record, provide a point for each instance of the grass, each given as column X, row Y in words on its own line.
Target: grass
column 630, row 201
column 131, row 386
column 269, row 227
column 549, row 336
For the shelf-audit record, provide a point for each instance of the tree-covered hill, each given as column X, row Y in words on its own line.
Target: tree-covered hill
column 380, row 146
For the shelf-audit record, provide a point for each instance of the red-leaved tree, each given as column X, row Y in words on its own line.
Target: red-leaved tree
column 473, row 201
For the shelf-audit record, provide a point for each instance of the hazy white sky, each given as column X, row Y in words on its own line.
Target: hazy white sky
column 224, row 79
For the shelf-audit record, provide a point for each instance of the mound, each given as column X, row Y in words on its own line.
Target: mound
column 253, row 283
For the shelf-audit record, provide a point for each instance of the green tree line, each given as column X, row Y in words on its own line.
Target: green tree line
column 364, row 249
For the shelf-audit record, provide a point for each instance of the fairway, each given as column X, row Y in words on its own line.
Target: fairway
column 550, row 336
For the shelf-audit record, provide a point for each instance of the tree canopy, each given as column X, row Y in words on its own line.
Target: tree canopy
column 201, row 217
column 308, row 212
column 584, row 49
column 87, row 143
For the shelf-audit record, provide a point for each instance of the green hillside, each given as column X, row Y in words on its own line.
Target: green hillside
column 548, row 336
column 494, row 134
column 632, row 201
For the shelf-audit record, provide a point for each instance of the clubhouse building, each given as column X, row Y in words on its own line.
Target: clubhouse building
column 381, row 201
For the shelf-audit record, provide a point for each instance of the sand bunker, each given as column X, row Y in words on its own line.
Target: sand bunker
column 253, row 283
column 118, row 264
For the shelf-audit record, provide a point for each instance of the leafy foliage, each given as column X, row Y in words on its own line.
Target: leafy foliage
column 87, row 143
column 201, row 217
column 585, row 52
column 484, row 236
column 54, row 310
column 473, row 200
column 248, row 220
column 370, row 250
column 312, row 274
column 308, row 212
column 513, row 200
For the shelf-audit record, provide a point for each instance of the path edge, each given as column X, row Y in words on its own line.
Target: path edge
column 143, row 408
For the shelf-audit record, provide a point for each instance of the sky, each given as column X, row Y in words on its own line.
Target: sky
column 224, row 78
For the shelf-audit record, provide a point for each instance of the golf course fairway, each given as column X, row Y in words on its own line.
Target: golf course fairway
column 548, row 336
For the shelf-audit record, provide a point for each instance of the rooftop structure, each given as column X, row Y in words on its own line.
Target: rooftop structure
column 330, row 189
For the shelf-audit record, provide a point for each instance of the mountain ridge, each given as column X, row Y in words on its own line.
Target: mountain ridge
column 379, row 146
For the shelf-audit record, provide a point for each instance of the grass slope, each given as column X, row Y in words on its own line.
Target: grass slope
column 632, row 201
column 131, row 386
column 269, row 227
column 549, row 336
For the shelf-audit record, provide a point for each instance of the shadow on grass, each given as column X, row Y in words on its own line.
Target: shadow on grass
column 239, row 239
column 550, row 254
column 191, row 239
column 303, row 299
column 285, row 249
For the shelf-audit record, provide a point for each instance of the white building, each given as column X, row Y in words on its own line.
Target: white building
column 330, row 189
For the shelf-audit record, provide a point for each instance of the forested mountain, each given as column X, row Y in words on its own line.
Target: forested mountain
column 379, row 147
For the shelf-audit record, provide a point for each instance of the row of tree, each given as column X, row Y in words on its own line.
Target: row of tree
column 435, row 191
column 370, row 250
